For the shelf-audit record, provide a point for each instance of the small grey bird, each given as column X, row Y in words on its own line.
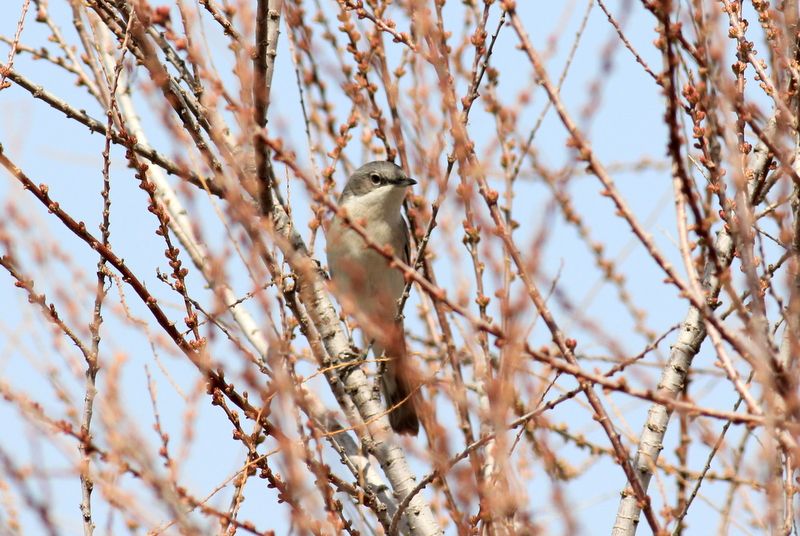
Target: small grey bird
column 367, row 287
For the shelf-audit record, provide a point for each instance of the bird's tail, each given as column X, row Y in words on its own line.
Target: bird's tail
column 399, row 401
column 399, row 389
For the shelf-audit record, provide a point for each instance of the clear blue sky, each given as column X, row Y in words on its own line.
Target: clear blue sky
column 627, row 127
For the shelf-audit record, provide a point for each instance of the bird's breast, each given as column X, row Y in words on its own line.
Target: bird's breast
column 346, row 244
column 360, row 272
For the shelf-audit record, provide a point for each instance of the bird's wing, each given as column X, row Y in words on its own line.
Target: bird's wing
column 406, row 243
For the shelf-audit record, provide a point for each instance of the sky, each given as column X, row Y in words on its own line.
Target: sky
column 627, row 127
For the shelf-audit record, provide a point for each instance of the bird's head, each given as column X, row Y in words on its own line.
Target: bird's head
column 377, row 183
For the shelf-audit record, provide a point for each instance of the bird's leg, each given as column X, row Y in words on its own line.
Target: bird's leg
column 376, row 385
column 351, row 359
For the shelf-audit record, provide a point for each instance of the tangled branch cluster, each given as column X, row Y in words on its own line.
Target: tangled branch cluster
column 202, row 380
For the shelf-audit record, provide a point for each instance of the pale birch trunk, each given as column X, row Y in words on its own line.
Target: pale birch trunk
column 673, row 377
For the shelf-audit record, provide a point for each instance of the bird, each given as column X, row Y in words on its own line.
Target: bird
column 367, row 286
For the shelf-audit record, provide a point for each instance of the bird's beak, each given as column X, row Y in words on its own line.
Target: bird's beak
column 406, row 181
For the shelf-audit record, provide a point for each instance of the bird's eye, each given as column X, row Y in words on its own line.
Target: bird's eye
column 375, row 179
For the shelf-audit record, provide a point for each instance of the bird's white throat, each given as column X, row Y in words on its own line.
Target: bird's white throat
column 380, row 204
